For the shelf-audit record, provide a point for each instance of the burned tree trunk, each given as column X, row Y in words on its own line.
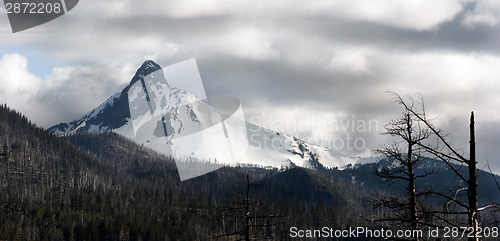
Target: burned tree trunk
column 248, row 225
column 472, row 182
column 411, row 178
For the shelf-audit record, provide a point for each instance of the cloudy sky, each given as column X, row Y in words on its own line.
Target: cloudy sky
column 315, row 69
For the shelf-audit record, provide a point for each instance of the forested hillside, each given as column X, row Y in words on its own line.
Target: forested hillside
column 103, row 187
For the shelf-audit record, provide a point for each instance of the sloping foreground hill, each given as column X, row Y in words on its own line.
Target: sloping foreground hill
column 103, row 187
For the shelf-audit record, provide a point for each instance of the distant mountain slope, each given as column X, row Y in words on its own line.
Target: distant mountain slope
column 443, row 179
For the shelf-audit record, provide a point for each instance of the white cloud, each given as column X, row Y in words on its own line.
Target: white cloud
column 19, row 86
column 247, row 43
column 175, row 9
column 454, row 83
column 196, row 8
column 15, row 75
column 326, row 54
column 486, row 12
column 473, row 19
column 419, row 15
column 258, row 39
column 355, row 60
column 101, row 47
column 65, row 94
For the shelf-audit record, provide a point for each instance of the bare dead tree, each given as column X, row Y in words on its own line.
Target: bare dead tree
column 248, row 217
column 443, row 150
column 406, row 156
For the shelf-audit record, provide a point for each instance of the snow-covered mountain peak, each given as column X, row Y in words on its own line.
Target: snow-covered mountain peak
column 148, row 67
column 266, row 148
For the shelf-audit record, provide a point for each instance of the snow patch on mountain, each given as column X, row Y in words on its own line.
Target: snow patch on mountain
column 271, row 148
column 73, row 127
column 109, row 102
